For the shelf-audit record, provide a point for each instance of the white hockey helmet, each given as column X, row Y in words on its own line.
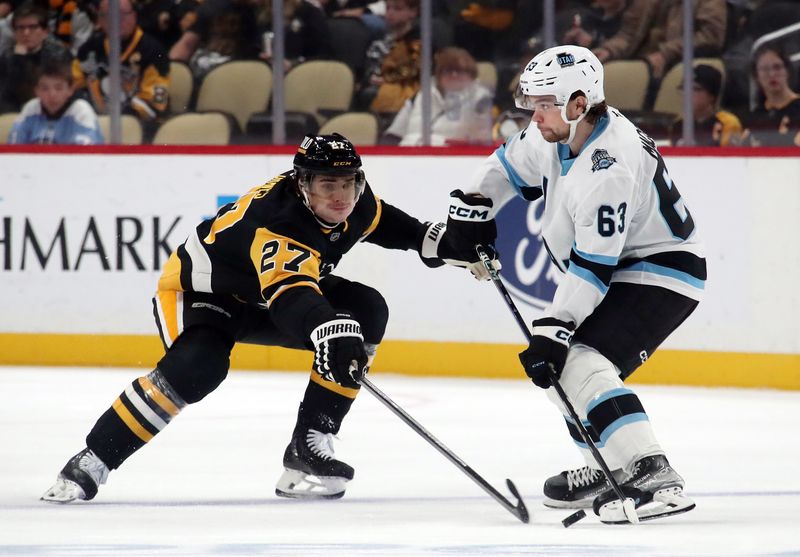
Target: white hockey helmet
column 560, row 71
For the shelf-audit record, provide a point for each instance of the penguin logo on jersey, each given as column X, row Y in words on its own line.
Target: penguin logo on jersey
column 601, row 160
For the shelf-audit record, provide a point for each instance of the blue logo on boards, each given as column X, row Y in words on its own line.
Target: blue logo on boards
column 528, row 273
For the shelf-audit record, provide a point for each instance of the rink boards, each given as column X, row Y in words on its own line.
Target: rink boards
column 83, row 237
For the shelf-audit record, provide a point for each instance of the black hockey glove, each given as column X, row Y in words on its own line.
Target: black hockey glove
column 468, row 225
column 339, row 354
column 547, row 350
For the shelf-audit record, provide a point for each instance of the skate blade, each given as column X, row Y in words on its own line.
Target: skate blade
column 63, row 492
column 295, row 484
column 585, row 503
column 666, row 502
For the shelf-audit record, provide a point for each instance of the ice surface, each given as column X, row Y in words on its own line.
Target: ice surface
column 205, row 486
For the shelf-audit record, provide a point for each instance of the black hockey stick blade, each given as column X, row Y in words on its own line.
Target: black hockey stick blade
column 519, row 509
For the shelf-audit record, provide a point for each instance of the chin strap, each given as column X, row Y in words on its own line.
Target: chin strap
column 573, row 124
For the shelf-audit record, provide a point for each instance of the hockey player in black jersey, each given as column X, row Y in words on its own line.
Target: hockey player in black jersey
column 260, row 272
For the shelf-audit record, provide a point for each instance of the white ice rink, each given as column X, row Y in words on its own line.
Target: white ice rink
column 205, row 486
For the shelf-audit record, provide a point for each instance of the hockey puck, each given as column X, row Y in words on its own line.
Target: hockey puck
column 573, row 518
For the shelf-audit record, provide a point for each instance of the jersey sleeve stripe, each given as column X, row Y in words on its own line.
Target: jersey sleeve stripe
column 513, row 176
column 201, row 264
column 374, row 224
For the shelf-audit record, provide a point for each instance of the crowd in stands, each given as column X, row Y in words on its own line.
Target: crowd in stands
column 54, row 70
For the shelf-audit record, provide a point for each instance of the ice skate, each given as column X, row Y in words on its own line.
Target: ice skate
column 656, row 489
column 574, row 489
column 79, row 479
column 311, row 471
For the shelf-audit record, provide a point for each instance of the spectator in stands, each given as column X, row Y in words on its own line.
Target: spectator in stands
column 776, row 119
column 6, row 31
column 166, row 20
column 55, row 115
column 306, row 33
column 712, row 127
column 33, row 46
column 653, row 30
column 144, row 68
column 393, row 63
column 371, row 13
column 224, row 30
column 614, row 28
column 461, row 108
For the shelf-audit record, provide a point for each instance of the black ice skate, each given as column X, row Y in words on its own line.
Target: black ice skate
column 312, row 472
column 656, row 489
column 79, row 479
column 574, row 489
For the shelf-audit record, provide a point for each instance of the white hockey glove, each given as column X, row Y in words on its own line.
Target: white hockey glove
column 468, row 225
column 339, row 354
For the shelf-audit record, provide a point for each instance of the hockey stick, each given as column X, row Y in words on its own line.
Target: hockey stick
column 628, row 505
column 519, row 510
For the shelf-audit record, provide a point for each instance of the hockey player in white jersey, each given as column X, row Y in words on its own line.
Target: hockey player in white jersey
column 617, row 227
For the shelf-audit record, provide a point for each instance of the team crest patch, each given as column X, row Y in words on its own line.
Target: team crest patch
column 601, row 160
column 565, row 59
column 334, row 236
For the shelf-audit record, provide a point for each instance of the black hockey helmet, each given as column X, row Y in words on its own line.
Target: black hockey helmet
column 327, row 154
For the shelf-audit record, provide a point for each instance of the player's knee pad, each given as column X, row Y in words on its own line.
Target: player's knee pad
column 197, row 362
column 587, row 374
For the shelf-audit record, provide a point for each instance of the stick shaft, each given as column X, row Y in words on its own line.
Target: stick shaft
column 517, row 510
column 495, row 277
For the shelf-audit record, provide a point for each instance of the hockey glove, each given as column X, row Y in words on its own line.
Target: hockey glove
column 339, row 354
column 547, row 350
column 468, row 225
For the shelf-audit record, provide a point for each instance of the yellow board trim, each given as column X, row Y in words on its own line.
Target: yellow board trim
column 454, row 359
column 131, row 422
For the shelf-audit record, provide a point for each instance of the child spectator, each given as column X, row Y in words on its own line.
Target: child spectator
column 461, row 109
column 56, row 116
column 712, row 127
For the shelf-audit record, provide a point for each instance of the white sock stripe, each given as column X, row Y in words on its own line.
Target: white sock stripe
column 144, row 409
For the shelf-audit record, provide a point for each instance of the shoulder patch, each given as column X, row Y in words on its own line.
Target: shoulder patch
column 601, row 160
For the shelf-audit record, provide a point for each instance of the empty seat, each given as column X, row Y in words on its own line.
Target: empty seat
column 361, row 128
column 319, row 85
column 181, row 86
column 240, row 88
column 131, row 133
column 625, row 83
column 6, row 123
column 487, row 75
column 191, row 128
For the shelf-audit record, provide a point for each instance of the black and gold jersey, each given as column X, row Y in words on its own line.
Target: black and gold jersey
column 144, row 69
column 268, row 242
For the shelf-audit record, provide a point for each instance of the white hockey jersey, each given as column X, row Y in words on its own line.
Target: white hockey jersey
column 612, row 213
